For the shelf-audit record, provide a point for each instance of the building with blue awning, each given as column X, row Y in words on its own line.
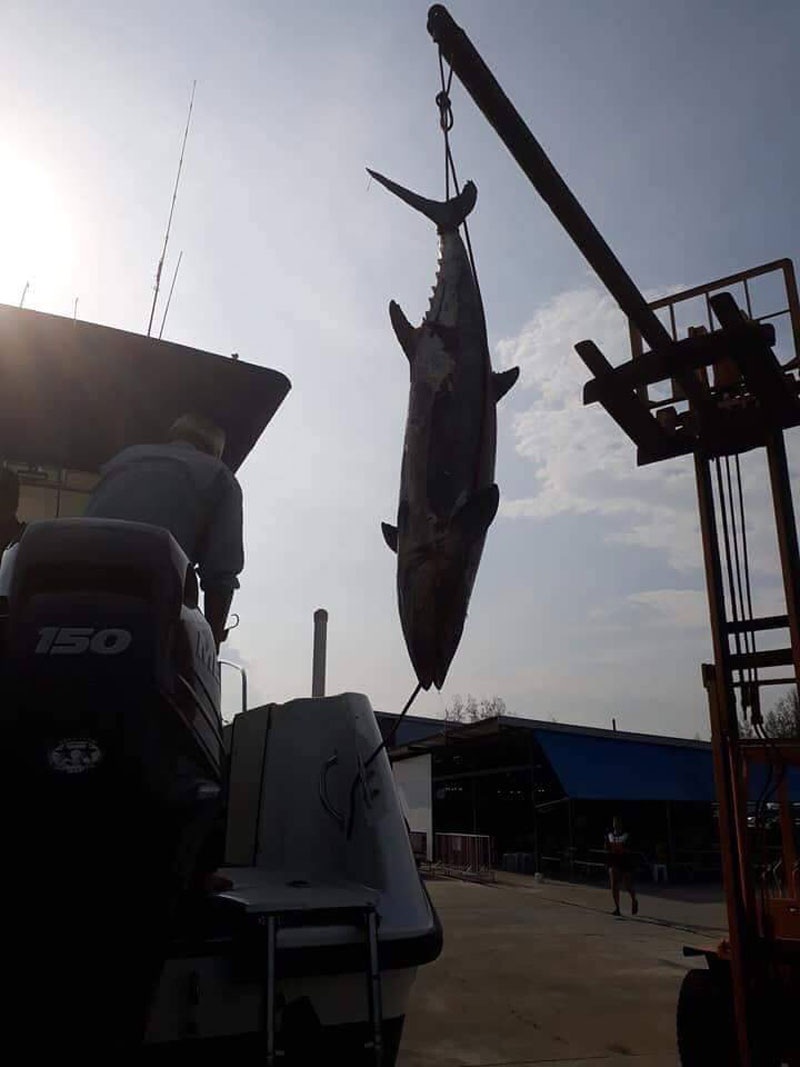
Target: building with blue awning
column 548, row 791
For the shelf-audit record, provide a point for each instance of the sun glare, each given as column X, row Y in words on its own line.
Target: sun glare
column 36, row 241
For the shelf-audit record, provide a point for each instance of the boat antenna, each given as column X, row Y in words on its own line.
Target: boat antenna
column 24, row 293
column 169, row 295
column 75, row 310
column 160, row 267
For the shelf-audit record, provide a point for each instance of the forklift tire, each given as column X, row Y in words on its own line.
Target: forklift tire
column 705, row 1021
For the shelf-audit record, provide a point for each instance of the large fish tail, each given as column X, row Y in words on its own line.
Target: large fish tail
column 447, row 214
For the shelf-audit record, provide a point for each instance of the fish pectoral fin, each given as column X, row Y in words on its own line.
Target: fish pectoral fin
column 502, row 381
column 475, row 517
column 406, row 333
column 390, row 535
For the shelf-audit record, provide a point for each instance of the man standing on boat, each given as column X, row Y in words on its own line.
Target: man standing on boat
column 184, row 487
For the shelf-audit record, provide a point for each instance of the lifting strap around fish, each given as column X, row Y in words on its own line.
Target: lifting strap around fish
column 501, row 380
column 446, row 120
column 386, row 743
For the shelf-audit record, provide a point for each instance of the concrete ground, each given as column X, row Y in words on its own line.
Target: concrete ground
column 542, row 973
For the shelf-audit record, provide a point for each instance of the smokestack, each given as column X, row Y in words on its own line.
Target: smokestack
column 320, row 652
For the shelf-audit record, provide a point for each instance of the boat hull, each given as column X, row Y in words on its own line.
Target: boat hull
column 317, row 842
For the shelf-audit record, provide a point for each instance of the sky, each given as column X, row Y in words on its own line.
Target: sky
column 674, row 124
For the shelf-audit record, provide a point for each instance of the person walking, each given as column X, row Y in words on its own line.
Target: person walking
column 620, row 864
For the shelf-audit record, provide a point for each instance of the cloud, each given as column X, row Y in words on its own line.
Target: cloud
column 682, row 608
column 585, row 464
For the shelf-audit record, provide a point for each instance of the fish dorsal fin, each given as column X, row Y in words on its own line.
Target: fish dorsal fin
column 406, row 333
column 390, row 535
column 475, row 517
column 502, row 381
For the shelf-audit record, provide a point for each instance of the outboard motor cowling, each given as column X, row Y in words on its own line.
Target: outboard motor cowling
column 113, row 779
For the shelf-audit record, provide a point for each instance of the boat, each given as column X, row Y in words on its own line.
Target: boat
column 123, row 792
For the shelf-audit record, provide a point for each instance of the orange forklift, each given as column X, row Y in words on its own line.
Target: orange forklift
column 744, row 396
column 713, row 374
column 739, row 1009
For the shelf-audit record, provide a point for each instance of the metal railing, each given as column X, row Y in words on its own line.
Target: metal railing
column 243, row 680
column 464, row 855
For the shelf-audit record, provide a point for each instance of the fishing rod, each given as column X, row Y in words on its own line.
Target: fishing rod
column 160, row 267
column 169, row 295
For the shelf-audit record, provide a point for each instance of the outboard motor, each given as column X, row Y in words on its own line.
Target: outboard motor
column 112, row 778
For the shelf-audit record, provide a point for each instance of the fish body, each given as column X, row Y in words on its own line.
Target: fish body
column 448, row 496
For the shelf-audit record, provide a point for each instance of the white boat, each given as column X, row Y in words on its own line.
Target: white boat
column 120, row 784
column 316, row 945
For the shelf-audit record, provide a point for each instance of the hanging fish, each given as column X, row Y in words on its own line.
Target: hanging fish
column 448, row 497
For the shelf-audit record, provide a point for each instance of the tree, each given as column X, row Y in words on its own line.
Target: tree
column 454, row 711
column 782, row 720
column 473, row 710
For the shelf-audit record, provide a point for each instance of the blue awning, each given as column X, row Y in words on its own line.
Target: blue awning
column 613, row 768
column 604, row 768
